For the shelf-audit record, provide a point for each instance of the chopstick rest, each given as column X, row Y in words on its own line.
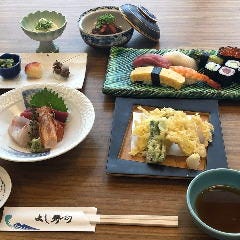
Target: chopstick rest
column 73, row 219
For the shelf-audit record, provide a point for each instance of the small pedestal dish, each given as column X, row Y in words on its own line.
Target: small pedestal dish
column 12, row 71
column 45, row 37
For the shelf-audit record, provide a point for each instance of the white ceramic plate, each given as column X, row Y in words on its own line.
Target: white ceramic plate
column 77, row 66
column 5, row 186
column 80, row 121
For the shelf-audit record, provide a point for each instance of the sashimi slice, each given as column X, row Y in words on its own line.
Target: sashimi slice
column 19, row 130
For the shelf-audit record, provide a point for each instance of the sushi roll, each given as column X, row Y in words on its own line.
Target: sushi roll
column 211, row 70
column 226, row 76
column 203, row 59
column 157, row 76
column 233, row 64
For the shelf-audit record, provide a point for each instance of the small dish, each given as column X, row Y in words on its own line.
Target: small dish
column 80, row 121
column 5, row 186
column 213, row 177
column 11, row 72
column 88, row 19
column 29, row 23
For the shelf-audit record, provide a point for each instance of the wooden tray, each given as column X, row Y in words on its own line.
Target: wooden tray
column 119, row 162
column 76, row 62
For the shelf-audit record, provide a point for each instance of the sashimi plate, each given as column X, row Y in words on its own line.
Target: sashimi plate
column 79, row 123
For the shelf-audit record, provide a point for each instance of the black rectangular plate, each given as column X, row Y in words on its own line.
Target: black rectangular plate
column 216, row 157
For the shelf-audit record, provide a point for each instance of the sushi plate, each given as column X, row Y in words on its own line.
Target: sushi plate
column 117, row 81
column 119, row 164
column 77, row 66
column 79, row 123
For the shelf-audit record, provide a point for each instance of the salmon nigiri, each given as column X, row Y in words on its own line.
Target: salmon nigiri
column 192, row 76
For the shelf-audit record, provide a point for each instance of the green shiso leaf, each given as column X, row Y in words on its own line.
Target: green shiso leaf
column 49, row 98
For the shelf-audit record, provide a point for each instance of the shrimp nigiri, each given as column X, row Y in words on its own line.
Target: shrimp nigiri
column 192, row 76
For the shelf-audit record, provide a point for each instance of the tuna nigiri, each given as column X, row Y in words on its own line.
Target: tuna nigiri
column 192, row 76
column 151, row 59
column 178, row 58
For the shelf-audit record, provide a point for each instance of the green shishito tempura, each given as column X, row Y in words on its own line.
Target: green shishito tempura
column 156, row 147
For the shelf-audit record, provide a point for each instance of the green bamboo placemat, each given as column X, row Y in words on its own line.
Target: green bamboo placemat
column 117, row 81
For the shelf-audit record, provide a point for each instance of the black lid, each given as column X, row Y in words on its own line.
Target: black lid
column 141, row 20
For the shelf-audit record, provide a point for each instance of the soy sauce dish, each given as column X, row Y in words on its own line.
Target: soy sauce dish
column 213, row 200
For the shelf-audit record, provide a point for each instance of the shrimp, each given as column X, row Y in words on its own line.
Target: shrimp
column 192, row 76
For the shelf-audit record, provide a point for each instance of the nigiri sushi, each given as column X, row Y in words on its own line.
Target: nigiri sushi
column 151, row 59
column 178, row 58
column 157, row 76
column 192, row 76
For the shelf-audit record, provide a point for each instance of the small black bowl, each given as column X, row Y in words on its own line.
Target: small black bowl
column 13, row 71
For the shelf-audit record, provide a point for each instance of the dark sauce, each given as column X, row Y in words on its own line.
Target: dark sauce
column 219, row 208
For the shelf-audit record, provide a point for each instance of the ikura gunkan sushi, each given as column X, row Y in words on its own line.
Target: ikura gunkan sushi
column 229, row 53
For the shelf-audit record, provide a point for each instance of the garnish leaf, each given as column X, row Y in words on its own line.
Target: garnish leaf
column 49, row 98
column 106, row 18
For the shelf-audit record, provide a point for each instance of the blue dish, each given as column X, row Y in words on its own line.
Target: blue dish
column 13, row 71
column 142, row 20
column 87, row 21
column 213, row 177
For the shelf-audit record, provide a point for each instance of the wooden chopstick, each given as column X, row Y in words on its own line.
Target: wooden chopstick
column 141, row 220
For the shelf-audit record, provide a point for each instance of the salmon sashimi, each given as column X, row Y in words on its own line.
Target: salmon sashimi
column 192, row 76
column 50, row 130
column 19, row 130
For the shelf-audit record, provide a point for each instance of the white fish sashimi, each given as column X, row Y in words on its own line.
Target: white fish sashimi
column 178, row 58
column 19, row 130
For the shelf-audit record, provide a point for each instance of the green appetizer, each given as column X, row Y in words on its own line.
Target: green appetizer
column 6, row 63
column 45, row 25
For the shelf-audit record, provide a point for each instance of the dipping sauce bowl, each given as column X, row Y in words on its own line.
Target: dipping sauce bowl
column 216, row 189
